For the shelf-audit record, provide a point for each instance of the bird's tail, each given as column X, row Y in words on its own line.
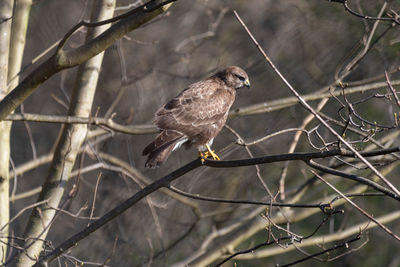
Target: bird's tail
column 160, row 149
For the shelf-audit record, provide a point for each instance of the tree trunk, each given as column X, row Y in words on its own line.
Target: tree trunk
column 6, row 8
column 72, row 137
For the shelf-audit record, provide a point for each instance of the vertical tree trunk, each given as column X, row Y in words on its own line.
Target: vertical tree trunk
column 6, row 7
column 71, row 140
column 18, row 37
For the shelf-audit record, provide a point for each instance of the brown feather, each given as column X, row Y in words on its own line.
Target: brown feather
column 198, row 113
column 162, row 140
column 158, row 157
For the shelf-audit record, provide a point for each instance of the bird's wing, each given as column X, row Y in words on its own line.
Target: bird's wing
column 203, row 103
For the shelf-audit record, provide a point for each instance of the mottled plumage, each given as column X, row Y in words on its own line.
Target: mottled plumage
column 196, row 115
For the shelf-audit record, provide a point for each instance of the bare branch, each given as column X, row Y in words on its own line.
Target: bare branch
column 389, row 83
column 72, row 137
column 346, row 6
column 323, row 239
column 387, row 230
column 310, row 109
column 72, row 241
column 106, row 122
column 67, row 59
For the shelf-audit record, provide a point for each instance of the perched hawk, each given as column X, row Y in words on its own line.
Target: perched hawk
column 196, row 115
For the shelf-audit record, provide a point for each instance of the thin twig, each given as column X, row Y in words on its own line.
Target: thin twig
column 94, row 198
column 310, row 109
column 335, row 247
column 248, row 202
column 392, row 89
column 387, row 230
column 346, row 6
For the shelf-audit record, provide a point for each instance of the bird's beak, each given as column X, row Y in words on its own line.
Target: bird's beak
column 246, row 83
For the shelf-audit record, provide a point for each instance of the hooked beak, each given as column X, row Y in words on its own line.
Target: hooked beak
column 246, row 83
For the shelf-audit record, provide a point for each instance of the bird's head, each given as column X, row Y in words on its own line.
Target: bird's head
column 235, row 77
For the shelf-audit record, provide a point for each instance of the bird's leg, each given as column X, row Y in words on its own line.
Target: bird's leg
column 207, row 154
column 210, row 153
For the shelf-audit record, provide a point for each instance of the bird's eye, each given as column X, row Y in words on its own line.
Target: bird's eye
column 242, row 79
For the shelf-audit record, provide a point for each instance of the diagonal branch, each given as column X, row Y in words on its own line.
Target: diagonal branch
column 323, row 239
column 387, row 230
column 166, row 180
column 67, row 59
column 353, row 177
column 346, row 6
column 163, row 182
column 310, row 109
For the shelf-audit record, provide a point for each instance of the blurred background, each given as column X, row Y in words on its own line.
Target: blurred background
column 309, row 41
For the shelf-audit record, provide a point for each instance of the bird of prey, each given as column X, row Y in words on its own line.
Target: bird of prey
column 195, row 116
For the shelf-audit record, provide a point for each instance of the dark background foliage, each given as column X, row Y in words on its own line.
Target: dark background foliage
column 307, row 40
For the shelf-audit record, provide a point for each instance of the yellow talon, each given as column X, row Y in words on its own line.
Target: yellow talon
column 207, row 154
column 202, row 157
